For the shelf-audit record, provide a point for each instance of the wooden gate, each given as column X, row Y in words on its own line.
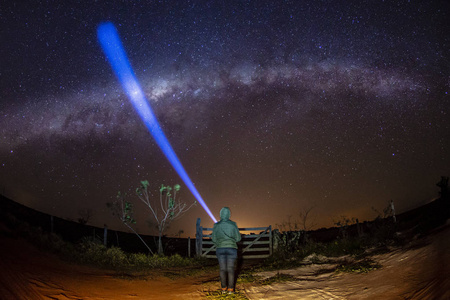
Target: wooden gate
column 252, row 246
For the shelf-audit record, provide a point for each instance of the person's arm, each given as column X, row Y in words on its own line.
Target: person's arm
column 237, row 234
column 213, row 235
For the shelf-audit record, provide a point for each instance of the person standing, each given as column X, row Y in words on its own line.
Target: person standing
column 225, row 235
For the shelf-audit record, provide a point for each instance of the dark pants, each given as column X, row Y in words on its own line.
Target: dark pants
column 227, row 262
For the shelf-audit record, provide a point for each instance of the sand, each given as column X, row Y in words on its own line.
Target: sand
column 419, row 270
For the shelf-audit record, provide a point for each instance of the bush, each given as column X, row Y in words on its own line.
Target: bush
column 94, row 252
column 91, row 251
column 116, row 258
column 139, row 261
column 160, row 261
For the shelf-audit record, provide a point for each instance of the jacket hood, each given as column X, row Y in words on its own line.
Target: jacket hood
column 225, row 213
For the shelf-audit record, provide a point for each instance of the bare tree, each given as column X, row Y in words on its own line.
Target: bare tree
column 303, row 222
column 305, row 219
column 164, row 211
column 289, row 225
column 123, row 210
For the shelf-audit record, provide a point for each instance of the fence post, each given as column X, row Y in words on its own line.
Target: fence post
column 359, row 229
column 105, row 235
column 393, row 211
column 198, row 238
column 270, row 240
column 117, row 238
column 275, row 239
column 189, row 246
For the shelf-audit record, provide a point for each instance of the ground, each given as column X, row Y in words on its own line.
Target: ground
column 419, row 270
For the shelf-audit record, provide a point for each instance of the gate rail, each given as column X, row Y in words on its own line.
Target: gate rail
column 252, row 245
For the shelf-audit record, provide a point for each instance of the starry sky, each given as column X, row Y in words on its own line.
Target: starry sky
column 273, row 107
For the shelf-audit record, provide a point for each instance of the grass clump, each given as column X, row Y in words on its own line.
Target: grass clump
column 248, row 277
column 362, row 266
column 217, row 295
column 279, row 277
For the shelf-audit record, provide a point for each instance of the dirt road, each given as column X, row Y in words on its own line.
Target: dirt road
column 419, row 271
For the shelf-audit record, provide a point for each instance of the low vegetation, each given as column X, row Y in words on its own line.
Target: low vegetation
column 92, row 252
column 314, row 250
column 361, row 266
column 95, row 253
column 279, row 277
column 293, row 247
column 217, row 295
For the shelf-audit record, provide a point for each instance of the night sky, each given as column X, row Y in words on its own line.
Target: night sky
column 271, row 106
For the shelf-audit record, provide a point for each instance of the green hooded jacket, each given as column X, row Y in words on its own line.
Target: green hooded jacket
column 225, row 232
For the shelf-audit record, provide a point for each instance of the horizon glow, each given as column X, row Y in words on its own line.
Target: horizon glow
column 112, row 47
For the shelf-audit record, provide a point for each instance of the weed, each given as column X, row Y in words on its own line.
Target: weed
column 217, row 295
column 362, row 266
column 280, row 277
column 248, row 277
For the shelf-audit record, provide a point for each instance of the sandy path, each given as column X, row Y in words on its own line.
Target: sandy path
column 421, row 271
column 26, row 273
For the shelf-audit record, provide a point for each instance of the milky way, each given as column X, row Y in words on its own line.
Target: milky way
column 272, row 106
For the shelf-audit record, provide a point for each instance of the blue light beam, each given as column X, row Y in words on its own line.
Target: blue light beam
column 114, row 51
